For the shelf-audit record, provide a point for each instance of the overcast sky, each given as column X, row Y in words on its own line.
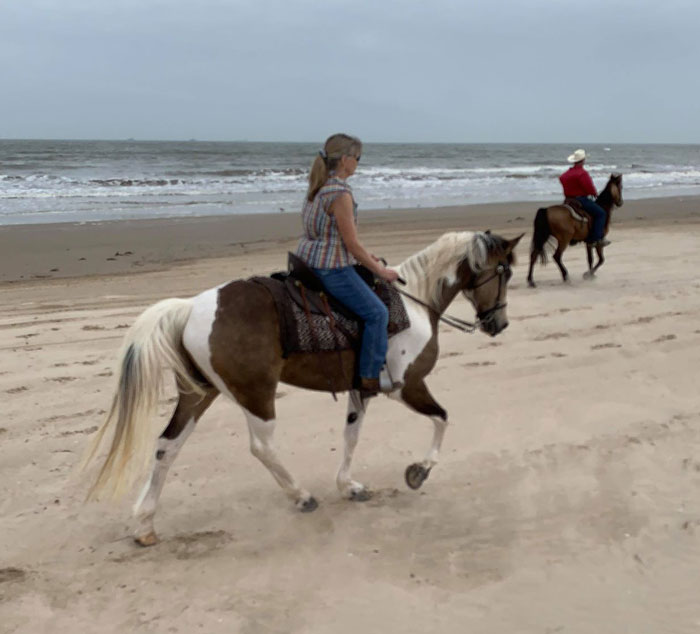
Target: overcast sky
column 386, row 70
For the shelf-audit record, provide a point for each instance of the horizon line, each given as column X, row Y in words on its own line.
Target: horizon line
column 195, row 140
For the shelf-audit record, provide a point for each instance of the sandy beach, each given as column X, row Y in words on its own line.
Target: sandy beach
column 566, row 497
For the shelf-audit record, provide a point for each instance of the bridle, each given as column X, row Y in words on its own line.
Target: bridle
column 501, row 271
column 485, row 316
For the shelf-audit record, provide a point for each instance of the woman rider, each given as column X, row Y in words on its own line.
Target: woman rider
column 330, row 246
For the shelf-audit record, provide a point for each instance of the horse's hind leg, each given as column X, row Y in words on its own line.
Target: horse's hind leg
column 418, row 398
column 189, row 409
column 533, row 258
column 261, row 435
column 353, row 423
column 561, row 247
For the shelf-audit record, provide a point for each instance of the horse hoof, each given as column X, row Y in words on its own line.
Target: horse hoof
column 362, row 495
column 306, row 506
column 588, row 275
column 531, row 284
column 415, row 475
column 149, row 539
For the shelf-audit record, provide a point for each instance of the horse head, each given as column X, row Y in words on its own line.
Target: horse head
column 483, row 277
column 615, row 185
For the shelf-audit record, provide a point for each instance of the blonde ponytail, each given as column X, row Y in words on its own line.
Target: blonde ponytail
column 335, row 147
column 317, row 177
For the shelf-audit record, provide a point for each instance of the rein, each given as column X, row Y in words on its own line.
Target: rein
column 456, row 322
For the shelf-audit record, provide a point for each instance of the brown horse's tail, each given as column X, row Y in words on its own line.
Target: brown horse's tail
column 540, row 235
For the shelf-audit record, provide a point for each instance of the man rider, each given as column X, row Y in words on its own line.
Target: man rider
column 578, row 184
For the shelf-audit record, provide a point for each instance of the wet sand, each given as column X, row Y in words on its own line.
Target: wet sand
column 566, row 497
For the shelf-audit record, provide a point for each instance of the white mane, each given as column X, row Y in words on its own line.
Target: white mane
column 440, row 260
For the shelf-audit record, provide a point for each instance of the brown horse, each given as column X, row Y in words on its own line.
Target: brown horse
column 227, row 341
column 560, row 222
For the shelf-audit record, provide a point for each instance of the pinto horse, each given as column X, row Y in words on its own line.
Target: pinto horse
column 227, row 340
column 560, row 222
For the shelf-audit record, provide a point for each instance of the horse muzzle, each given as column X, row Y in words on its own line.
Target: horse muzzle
column 493, row 321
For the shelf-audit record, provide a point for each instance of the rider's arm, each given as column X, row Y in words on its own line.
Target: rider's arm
column 341, row 208
column 587, row 183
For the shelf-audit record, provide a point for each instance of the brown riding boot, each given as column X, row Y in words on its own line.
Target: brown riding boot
column 369, row 387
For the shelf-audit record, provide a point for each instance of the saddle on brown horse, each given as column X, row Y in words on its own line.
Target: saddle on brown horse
column 311, row 320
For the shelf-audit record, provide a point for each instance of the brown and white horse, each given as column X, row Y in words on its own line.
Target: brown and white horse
column 226, row 340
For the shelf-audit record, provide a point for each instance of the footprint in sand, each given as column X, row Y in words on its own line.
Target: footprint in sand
column 17, row 390
column 62, row 379
column 553, row 335
column 602, row 346
column 664, row 338
column 475, row 364
column 87, row 430
column 91, row 327
column 12, row 574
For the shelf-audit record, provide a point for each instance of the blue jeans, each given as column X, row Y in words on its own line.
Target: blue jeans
column 352, row 291
column 598, row 214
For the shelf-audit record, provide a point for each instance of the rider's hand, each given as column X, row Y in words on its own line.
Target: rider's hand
column 388, row 274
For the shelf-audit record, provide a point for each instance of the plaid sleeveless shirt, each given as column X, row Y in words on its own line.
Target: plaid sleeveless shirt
column 321, row 246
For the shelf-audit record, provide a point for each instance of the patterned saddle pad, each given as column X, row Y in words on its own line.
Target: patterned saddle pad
column 299, row 333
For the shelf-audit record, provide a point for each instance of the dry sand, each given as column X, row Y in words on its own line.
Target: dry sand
column 566, row 500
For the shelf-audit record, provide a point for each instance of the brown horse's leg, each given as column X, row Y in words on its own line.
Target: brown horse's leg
column 561, row 247
column 530, row 280
column 589, row 256
column 592, row 269
column 416, row 395
column 189, row 409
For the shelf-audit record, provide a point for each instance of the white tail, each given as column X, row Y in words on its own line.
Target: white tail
column 153, row 344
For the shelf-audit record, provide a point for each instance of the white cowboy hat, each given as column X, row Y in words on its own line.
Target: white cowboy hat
column 577, row 156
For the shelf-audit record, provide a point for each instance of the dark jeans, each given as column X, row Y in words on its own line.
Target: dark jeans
column 598, row 214
column 350, row 289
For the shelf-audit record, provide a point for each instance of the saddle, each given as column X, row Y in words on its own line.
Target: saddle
column 311, row 320
column 577, row 210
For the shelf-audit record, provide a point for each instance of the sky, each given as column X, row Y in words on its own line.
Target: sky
column 607, row 71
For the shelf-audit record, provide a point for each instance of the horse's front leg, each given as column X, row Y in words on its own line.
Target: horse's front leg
column 353, row 423
column 601, row 259
column 589, row 255
column 418, row 398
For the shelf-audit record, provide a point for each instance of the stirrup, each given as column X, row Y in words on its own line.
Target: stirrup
column 386, row 383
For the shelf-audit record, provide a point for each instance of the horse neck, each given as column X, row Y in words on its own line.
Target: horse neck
column 605, row 200
column 427, row 284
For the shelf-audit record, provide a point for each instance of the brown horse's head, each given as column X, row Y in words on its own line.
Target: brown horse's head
column 483, row 276
column 615, row 188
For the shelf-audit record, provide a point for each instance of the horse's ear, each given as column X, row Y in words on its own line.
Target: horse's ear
column 488, row 232
column 513, row 243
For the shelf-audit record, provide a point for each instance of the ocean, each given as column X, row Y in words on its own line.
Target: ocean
column 80, row 181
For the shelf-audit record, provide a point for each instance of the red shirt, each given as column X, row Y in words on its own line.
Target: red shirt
column 577, row 182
